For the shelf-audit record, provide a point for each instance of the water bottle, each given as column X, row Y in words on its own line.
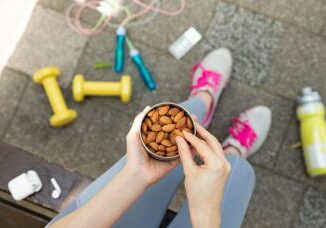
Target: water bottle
column 311, row 114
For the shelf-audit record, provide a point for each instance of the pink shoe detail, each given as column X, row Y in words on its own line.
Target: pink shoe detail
column 207, row 78
column 243, row 132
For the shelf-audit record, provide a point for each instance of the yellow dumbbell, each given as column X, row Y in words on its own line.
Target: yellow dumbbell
column 81, row 88
column 48, row 77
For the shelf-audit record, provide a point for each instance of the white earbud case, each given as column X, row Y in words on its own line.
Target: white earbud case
column 25, row 185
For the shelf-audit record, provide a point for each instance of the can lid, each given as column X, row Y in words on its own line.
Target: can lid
column 308, row 95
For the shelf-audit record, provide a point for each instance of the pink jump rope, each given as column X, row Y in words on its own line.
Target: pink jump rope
column 107, row 7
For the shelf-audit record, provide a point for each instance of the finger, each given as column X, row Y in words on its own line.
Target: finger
column 185, row 155
column 203, row 150
column 210, row 139
column 135, row 128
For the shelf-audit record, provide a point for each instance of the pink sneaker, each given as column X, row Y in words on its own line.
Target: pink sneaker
column 211, row 75
column 249, row 131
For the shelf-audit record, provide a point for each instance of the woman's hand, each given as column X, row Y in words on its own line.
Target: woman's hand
column 204, row 183
column 138, row 161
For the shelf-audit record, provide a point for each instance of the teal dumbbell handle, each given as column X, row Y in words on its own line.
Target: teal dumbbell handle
column 143, row 71
column 120, row 50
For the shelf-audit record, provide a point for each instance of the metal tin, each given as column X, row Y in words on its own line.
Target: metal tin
column 152, row 154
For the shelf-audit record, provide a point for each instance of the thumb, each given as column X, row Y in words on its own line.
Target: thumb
column 185, row 155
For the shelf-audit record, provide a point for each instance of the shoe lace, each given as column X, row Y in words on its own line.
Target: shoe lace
column 243, row 132
column 208, row 77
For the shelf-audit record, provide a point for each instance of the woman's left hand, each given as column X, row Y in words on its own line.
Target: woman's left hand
column 147, row 168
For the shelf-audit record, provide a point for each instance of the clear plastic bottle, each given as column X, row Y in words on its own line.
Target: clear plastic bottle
column 311, row 114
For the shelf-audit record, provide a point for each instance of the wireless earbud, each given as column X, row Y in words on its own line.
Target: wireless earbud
column 57, row 190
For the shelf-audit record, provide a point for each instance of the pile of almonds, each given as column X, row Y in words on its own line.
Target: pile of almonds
column 160, row 128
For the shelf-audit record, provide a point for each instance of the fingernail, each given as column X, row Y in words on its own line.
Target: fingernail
column 178, row 139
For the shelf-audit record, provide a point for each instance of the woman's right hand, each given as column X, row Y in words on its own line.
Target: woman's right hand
column 204, row 183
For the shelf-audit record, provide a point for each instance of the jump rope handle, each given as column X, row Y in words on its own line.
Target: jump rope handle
column 143, row 71
column 120, row 50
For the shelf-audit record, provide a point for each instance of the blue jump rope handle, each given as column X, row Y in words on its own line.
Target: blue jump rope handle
column 120, row 50
column 143, row 71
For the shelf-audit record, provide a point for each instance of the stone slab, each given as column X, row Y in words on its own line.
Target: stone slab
column 104, row 143
column 275, row 201
column 101, row 49
column 57, row 5
column 12, row 86
column 171, row 77
column 30, row 129
column 251, row 37
column 308, row 14
column 298, row 63
column 238, row 97
column 313, row 210
column 162, row 31
column 178, row 198
column 48, row 41
column 290, row 161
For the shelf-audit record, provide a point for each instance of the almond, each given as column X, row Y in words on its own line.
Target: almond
column 161, row 148
column 165, row 120
column 154, row 145
column 150, row 137
column 159, row 137
column 154, row 117
column 172, row 139
column 166, row 135
column 156, row 127
column 170, row 154
column 144, row 127
column 163, row 110
column 187, row 130
column 150, row 113
column 160, row 154
column 166, row 142
column 173, row 111
column 178, row 133
column 178, row 116
column 168, row 127
column 171, row 148
column 181, row 123
column 189, row 123
column 148, row 122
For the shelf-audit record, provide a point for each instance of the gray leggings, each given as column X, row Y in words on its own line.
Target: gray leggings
column 150, row 208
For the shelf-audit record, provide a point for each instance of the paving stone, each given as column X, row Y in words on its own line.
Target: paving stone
column 58, row 5
column 233, row 27
column 104, row 143
column 30, row 129
column 88, row 18
column 172, row 78
column 313, row 210
column 162, row 31
column 298, row 63
column 196, row 54
column 178, row 198
column 12, row 86
column 239, row 97
column 308, row 14
column 275, row 201
column 290, row 161
column 251, row 37
column 48, row 41
column 101, row 48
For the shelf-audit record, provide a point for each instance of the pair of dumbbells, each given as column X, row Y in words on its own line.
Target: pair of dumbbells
column 62, row 114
